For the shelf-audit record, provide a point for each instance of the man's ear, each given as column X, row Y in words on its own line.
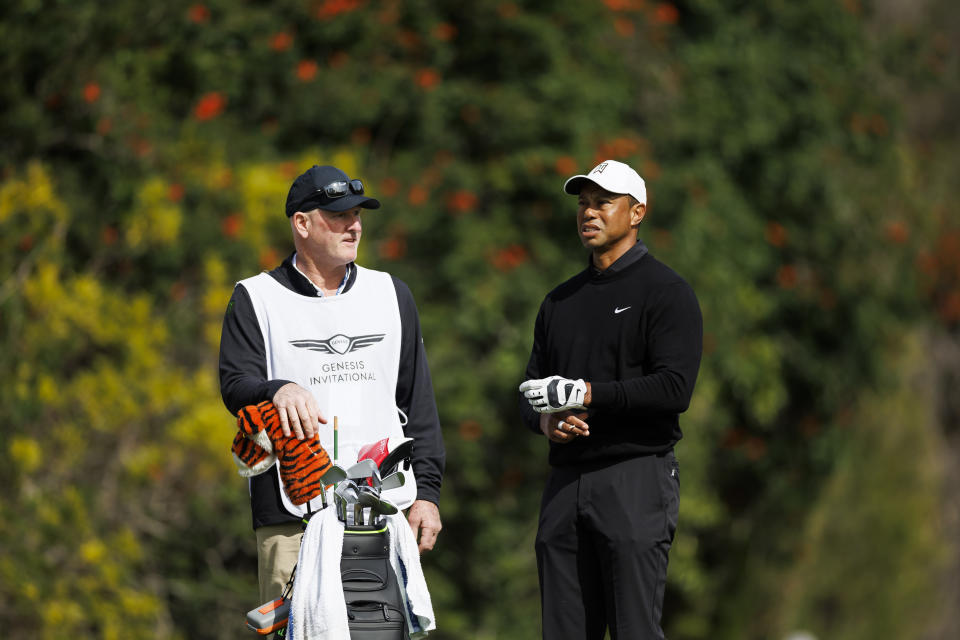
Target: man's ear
column 637, row 212
column 300, row 223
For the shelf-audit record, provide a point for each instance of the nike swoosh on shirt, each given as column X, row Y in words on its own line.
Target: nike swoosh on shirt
column 619, row 310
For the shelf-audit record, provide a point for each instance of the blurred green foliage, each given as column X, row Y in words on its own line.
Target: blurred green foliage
column 145, row 153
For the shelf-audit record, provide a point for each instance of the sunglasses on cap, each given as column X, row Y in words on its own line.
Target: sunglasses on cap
column 341, row 188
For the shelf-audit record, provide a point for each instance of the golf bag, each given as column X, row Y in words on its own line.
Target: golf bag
column 370, row 587
column 370, row 590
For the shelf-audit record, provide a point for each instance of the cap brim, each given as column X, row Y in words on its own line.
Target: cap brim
column 347, row 202
column 574, row 184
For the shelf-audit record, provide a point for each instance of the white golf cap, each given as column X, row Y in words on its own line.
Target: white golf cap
column 615, row 177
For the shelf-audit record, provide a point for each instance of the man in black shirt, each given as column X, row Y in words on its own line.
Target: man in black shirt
column 615, row 356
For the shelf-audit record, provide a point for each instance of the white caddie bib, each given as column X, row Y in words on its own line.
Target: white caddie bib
column 345, row 349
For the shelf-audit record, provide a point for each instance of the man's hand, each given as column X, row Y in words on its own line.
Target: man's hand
column 424, row 519
column 564, row 427
column 554, row 394
column 299, row 411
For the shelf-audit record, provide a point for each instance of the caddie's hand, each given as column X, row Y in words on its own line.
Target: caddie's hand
column 553, row 394
column 298, row 410
column 564, row 427
column 424, row 519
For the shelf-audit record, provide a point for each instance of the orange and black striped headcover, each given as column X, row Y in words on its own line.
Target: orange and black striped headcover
column 302, row 462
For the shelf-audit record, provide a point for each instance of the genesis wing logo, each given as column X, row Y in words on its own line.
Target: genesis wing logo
column 339, row 344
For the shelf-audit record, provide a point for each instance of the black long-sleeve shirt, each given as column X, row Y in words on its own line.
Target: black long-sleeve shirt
column 634, row 331
column 243, row 381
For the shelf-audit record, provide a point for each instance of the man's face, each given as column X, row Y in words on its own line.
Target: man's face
column 604, row 219
column 333, row 236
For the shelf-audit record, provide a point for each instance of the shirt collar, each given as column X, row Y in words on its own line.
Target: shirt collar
column 319, row 291
column 635, row 252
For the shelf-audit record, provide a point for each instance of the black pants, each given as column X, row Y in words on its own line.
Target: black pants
column 602, row 548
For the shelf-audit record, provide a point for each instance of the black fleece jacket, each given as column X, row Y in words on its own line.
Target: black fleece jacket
column 635, row 333
column 243, row 381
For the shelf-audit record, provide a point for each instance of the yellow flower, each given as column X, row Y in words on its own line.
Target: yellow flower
column 26, row 453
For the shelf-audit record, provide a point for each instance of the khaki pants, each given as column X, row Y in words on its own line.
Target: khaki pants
column 278, row 547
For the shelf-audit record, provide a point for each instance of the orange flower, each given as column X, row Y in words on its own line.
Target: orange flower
column 623, row 26
column 210, row 106
column 733, row 438
column 927, row 263
column 444, row 31
column 175, row 192
column 26, row 243
column 418, row 194
column 198, row 13
column 509, row 258
column 268, row 258
column 853, row 6
column 566, row 166
column 663, row 239
column 651, row 170
column 470, row 430
column 389, row 186
column 109, row 235
column 360, row 136
column 104, row 125
column 393, row 248
column 775, row 234
column 511, row 478
column 878, row 125
column 950, row 307
column 666, row 13
column 787, row 276
column 897, row 232
column 281, row 41
column 139, row 146
column 338, row 59
column 232, row 225
column 428, row 78
column 178, row 291
column 330, row 8
column 91, row 92
column 289, row 169
column 306, row 70
column 408, row 39
column 507, row 10
column 461, row 201
column 858, row 123
column 618, row 148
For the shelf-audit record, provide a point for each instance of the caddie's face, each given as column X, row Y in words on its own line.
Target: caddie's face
column 334, row 236
column 606, row 220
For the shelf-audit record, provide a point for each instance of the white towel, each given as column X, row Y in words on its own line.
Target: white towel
column 405, row 558
column 317, row 608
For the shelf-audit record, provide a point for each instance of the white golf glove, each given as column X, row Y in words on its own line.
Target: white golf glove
column 554, row 394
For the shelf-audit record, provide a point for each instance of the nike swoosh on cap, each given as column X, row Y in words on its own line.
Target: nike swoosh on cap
column 619, row 310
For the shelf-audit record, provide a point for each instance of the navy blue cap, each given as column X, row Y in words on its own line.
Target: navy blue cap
column 308, row 192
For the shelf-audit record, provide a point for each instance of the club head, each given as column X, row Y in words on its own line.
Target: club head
column 386, row 508
column 368, row 498
column 363, row 469
column 333, row 475
column 393, row 481
column 347, row 491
